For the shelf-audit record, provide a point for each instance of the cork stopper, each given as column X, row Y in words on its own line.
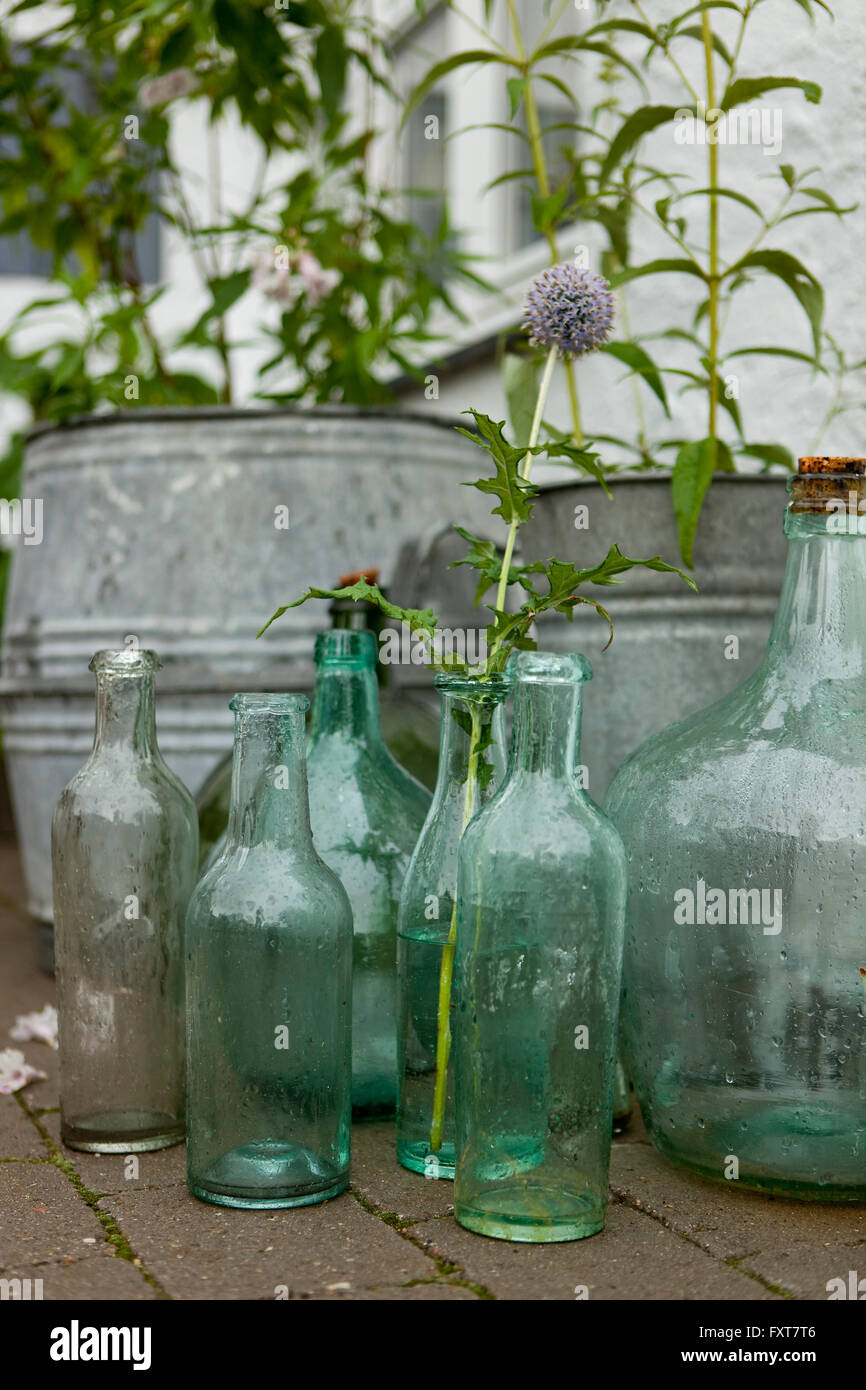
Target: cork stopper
column 826, row 478
column 826, row 463
column 345, row 580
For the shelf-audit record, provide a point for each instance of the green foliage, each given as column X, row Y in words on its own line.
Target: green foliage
column 608, row 182
column 421, row 620
column 85, row 114
column 507, row 631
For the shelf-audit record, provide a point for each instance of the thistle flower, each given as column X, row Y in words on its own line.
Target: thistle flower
column 570, row 309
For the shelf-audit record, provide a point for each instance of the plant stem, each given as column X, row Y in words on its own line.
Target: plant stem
column 525, row 470
column 713, row 358
column 542, row 178
column 446, row 970
column 666, row 50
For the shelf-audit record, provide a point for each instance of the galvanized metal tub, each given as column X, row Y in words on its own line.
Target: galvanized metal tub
column 672, row 652
column 166, row 526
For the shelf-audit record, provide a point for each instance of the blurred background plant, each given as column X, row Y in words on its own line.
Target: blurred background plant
column 96, row 169
column 593, row 171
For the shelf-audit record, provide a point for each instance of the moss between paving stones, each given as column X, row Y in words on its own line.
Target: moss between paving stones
column 113, row 1234
column 446, row 1272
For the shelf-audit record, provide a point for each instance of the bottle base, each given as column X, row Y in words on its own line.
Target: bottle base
column 268, row 1173
column 309, row 1199
column 122, row 1132
column 430, row 1163
column 805, row 1133
column 503, row 1214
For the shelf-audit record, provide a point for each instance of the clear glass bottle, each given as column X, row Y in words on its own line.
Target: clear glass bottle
column 366, row 814
column 541, row 896
column 269, row 960
column 124, row 854
column 427, row 921
column 744, row 1004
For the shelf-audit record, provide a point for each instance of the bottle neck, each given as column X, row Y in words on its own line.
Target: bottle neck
column 346, row 703
column 125, row 718
column 545, row 740
column 269, row 802
column 468, row 720
column 820, row 624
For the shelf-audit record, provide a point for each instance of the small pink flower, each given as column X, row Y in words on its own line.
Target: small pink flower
column 37, row 1027
column 15, row 1072
column 274, row 281
column 179, row 83
column 318, row 282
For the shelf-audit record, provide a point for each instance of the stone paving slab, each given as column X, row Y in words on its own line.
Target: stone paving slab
column 19, row 1137
column 91, row 1230
column 47, row 1232
column 807, row 1272
column 196, row 1250
column 97, row 1278
column 726, row 1221
column 110, row 1173
column 380, row 1180
column 633, row 1258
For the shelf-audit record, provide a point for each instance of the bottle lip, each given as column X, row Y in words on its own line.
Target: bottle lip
column 125, row 661
column 473, row 687
column 549, row 668
column 346, row 646
column 269, row 702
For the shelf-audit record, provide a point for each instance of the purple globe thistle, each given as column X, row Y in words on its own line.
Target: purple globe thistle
column 570, row 309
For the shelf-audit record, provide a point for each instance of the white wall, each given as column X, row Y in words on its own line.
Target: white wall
column 780, row 401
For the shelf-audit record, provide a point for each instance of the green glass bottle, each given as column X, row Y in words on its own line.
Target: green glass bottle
column 540, row 912
column 269, row 960
column 472, row 722
column 366, row 814
column 409, row 724
column 124, row 852
column 744, row 1011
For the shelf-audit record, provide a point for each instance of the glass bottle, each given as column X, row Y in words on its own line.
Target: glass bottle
column 744, row 828
column 409, row 726
column 366, row 814
column 541, row 894
column 269, row 959
column 427, row 919
column 622, row 1097
column 124, row 855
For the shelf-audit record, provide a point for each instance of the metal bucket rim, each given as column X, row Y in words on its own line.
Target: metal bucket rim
column 659, row 477
column 171, row 414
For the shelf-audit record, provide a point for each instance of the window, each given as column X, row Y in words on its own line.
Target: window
column 556, row 138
